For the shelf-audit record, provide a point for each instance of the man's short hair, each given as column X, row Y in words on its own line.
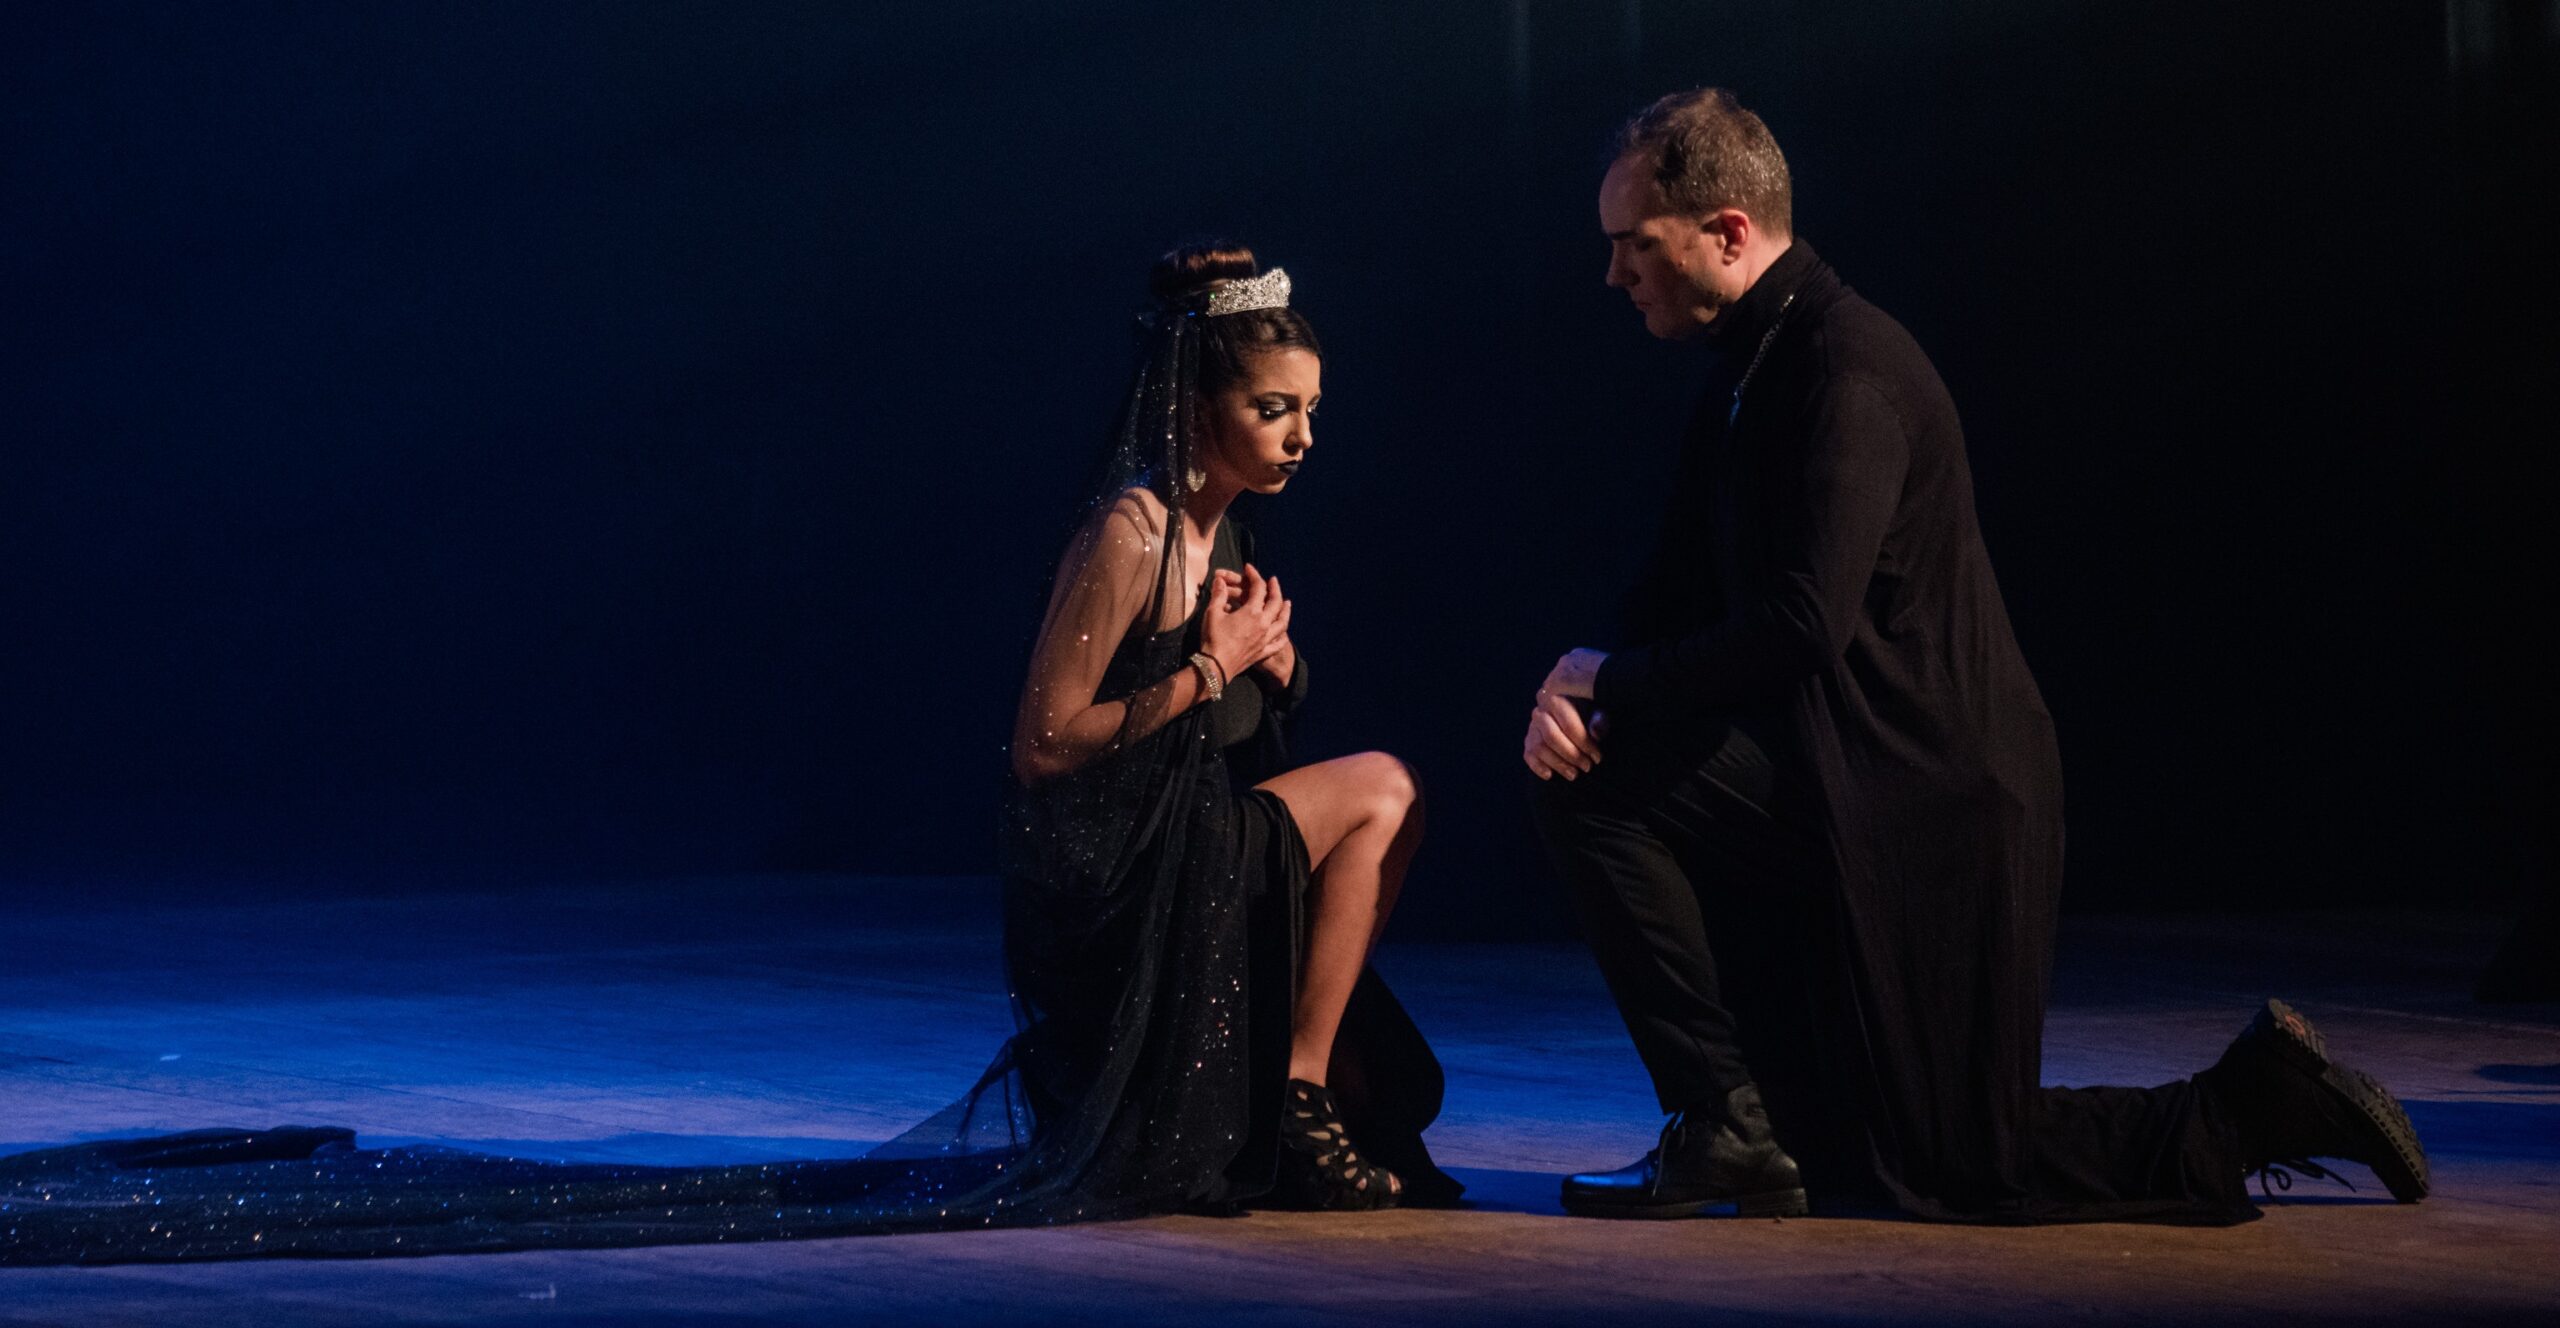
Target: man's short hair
column 1709, row 153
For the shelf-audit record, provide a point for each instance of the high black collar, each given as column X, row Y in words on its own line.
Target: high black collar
column 1737, row 331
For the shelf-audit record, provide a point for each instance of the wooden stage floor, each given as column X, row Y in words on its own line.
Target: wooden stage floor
column 774, row 1017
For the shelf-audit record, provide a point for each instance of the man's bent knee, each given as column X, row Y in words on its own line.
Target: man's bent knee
column 1555, row 795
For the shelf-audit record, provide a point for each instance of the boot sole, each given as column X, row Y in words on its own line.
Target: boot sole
column 2401, row 1161
column 1776, row 1203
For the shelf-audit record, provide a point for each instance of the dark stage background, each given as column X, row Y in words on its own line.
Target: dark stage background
column 633, row 437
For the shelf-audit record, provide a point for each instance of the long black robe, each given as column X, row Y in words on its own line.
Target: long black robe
column 1822, row 583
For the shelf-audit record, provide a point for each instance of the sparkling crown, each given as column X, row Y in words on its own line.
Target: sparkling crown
column 1242, row 294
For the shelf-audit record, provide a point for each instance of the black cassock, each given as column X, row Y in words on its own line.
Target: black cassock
column 1882, row 902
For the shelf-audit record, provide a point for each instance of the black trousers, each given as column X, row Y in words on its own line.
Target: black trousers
column 1659, row 845
column 1694, row 886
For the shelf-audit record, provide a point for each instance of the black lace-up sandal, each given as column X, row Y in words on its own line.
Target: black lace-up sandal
column 1319, row 1169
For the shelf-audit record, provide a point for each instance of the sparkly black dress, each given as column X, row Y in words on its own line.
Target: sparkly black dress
column 1153, row 909
column 1175, row 1054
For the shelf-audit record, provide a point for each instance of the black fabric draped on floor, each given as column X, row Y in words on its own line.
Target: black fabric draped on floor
column 1152, row 927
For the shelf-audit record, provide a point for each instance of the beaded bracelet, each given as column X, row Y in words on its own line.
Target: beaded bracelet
column 1212, row 677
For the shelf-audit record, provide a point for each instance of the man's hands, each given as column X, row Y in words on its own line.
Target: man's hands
column 1560, row 741
column 1247, row 623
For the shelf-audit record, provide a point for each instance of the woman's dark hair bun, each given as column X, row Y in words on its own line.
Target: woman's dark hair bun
column 1187, row 271
column 1228, row 342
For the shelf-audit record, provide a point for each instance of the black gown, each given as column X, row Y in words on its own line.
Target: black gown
column 1153, row 909
column 1165, row 854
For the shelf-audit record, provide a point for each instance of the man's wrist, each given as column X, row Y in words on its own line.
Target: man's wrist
column 1577, row 673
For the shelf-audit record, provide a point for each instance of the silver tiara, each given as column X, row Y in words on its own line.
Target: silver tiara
column 1241, row 294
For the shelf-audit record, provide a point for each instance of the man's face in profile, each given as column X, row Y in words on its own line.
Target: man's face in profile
column 1668, row 263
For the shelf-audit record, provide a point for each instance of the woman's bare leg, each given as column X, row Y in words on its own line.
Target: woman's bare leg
column 1362, row 819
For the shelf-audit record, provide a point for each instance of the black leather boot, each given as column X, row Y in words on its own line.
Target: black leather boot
column 1721, row 1155
column 2291, row 1102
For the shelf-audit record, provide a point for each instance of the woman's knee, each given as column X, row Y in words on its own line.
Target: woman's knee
column 1389, row 789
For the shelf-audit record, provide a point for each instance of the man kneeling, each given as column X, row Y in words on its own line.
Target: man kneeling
column 1824, row 750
